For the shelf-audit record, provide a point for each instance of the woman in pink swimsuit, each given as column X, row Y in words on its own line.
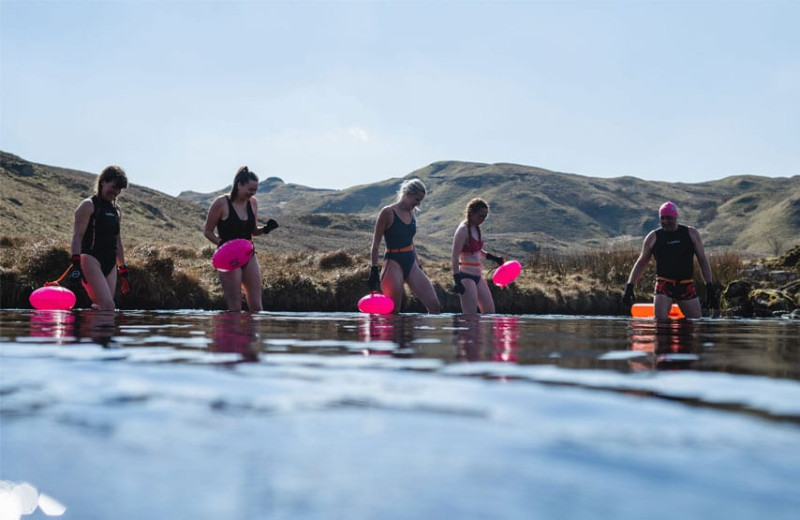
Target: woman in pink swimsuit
column 467, row 258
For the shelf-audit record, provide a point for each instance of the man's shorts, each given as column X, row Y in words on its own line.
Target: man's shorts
column 678, row 290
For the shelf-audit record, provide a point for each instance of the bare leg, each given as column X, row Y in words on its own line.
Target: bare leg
column 99, row 288
column 469, row 300
column 251, row 279
column 485, row 301
column 661, row 306
column 691, row 308
column 392, row 283
column 423, row 289
column 232, row 288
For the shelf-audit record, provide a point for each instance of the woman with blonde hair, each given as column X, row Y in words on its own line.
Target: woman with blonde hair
column 397, row 224
column 467, row 259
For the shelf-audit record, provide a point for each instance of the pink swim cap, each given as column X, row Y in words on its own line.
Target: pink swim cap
column 668, row 209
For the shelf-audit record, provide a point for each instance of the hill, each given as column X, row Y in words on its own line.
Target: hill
column 38, row 201
column 536, row 209
column 532, row 209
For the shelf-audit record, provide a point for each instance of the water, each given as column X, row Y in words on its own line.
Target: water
column 135, row 415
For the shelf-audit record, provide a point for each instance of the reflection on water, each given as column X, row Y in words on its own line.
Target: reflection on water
column 193, row 414
column 471, row 342
column 235, row 332
column 758, row 347
column 667, row 344
column 52, row 324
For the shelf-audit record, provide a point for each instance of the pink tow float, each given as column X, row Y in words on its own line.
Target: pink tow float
column 232, row 254
column 506, row 273
column 52, row 298
column 376, row 303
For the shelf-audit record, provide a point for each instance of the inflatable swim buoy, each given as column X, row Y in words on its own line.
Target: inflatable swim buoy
column 506, row 273
column 376, row 303
column 646, row 310
column 232, row 254
column 52, row 298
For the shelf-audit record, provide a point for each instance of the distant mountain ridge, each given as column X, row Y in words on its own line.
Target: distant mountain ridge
column 531, row 209
column 535, row 208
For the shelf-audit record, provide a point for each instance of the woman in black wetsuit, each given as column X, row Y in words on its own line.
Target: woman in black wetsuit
column 396, row 224
column 97, row 242
column 235, row 216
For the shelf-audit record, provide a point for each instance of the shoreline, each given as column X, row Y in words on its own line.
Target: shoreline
column 586, row 283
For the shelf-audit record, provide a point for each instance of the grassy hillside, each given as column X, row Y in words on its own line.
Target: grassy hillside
column 37, row 202
column 532, row 209
column 536, row 209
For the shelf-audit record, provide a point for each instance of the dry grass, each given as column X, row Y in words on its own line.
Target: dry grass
column 173, row 277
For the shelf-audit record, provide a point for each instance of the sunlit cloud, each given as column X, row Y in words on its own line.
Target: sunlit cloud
column 359, row 133
column 348, row 135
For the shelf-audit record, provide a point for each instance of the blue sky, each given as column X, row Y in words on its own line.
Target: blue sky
column 334, row 94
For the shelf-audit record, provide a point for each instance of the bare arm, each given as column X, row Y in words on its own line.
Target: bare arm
column 459, row 239
column 212, row 219
column 254, row 204
column 82, row 215
column 120, row 249
column 700, row 252
column 383, row 222
column 644, row 258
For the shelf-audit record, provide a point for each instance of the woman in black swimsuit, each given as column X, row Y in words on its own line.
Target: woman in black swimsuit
column 235, row 216
column 97, row 243
column 396, row 223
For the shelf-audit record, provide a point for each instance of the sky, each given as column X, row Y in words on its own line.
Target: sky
column 333, row 94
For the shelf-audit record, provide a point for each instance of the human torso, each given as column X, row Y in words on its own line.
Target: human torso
column 474, row 244
column 470, row 259
column 102, row 230
column 399, row 234
column 674, row 253
column 233, row 226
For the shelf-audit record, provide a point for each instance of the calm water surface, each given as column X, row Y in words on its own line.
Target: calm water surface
column 232, row 415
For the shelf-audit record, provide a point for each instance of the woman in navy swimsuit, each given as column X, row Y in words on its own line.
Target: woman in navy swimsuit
column 235, row 216
column 97, row 243
column 396, row 223
column 467, row 258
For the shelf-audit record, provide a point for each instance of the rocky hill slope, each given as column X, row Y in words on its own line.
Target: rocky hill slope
column 532, row 209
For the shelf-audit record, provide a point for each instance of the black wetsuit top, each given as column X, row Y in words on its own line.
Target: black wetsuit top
column 234, row 227
column 674, row 253
column 100, row 237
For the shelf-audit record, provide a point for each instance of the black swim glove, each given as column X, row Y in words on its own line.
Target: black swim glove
column 628, row 297
column 77, row 272
column 458, row 288
column 125, row 279
column 499, row 259
column 270, row 225
column 374, row 281
column 712, row 298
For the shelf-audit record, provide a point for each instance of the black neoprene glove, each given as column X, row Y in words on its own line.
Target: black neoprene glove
column 628, row 297
column 269, row 226
column 77, row 272
column 498, row 259
column 374, row 281
column 458, row 287
column 712, row 298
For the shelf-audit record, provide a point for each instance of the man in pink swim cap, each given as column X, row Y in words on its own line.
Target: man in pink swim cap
column 674, row 248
